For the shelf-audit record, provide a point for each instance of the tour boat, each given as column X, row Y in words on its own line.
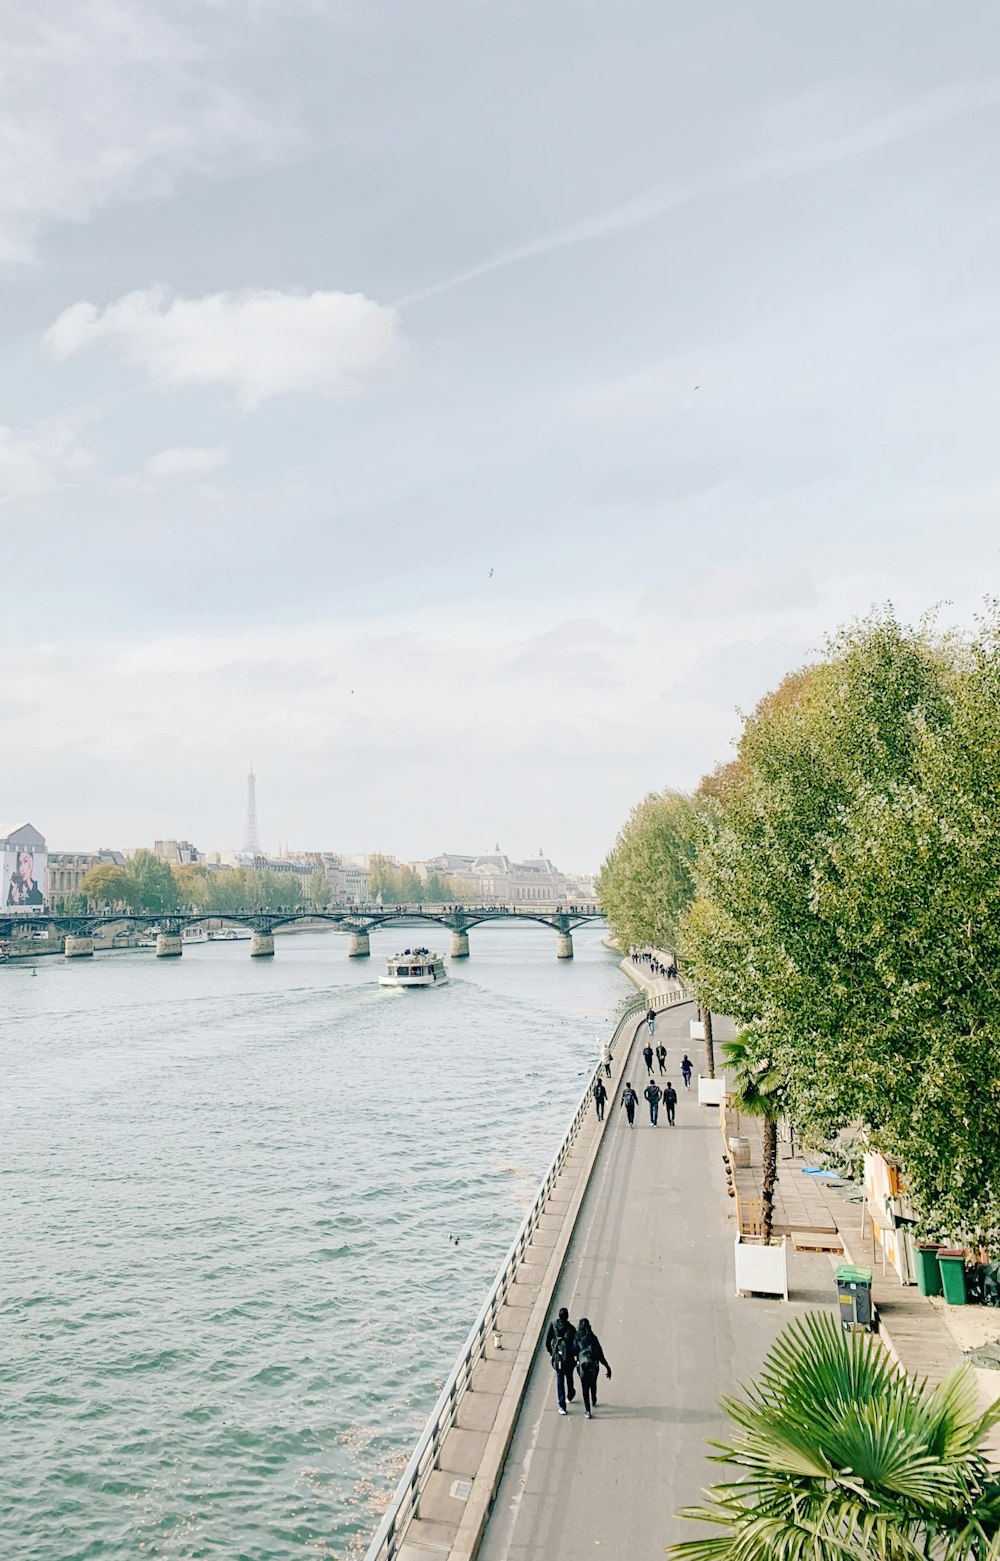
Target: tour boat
column 414, row 967
column 229, row 934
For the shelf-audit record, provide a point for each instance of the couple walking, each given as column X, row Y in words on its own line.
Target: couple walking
column 661, row 1057
column 575, row 1349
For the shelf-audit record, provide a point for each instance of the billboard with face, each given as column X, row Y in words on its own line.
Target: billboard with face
column 23, row 878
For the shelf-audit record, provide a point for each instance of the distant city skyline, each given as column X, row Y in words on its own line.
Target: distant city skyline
column 466, row 411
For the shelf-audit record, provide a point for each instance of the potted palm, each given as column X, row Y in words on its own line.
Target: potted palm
column 842, row 1457
column 755, row 1088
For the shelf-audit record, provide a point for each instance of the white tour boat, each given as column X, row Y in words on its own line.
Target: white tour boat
column 229, row 935
column 414, row 967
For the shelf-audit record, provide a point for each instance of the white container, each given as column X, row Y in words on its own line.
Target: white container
column 711, row 1091
column 696, row 1030
column 761, row 1269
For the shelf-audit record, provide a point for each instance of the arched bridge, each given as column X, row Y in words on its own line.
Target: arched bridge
column 356, row 920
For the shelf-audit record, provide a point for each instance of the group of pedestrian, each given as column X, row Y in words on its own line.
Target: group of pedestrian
column 575, row 1350
column 654, row 964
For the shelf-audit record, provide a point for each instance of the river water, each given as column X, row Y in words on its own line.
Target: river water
column 228, row 1298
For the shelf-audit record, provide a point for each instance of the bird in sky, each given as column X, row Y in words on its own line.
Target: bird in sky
column 490, row 575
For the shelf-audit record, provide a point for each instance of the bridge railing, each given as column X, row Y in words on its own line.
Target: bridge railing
column 403, row 1506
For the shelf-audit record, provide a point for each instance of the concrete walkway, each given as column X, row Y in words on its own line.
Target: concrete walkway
column 651, row 1265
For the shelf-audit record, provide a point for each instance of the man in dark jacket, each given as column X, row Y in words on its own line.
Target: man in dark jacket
column 647, row 1056
column 661, row 1056
column 560, row 1341
column 589, row 1359
column 669, row 1102
column 652, row 1094
column 600, row 1098
column 629, row 1100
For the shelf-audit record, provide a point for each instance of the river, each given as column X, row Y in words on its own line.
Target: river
column 228, row 1297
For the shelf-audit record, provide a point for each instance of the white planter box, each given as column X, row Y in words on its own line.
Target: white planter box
column 760, row 1268
column 711, row 1091
column 696, row 1030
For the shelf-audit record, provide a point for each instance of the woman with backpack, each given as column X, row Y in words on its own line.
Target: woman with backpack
column 589, row 1360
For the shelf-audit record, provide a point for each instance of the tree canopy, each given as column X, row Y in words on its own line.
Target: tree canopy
column 834, row 889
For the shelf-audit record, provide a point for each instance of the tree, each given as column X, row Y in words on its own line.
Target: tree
column 646, row 882
column 194, row 885
column 107, row 885
column 845, row 1458
column 153, row 885
column 756, row 1092
column 318, row 890
column 848, row 907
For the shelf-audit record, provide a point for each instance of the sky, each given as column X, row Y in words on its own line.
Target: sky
column 464, row 409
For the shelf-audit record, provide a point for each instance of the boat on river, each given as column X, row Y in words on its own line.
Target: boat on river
column 414, row 967
column 230, row 935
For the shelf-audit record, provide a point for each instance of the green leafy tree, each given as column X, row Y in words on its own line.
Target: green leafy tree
column 847, row 912
column 107, row 885
column 317, row 890
column 646, row 882
column 194, row 885
column 154, row 887
column 845, row 1458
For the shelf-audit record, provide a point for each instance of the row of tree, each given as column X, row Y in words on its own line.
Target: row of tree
column 835, row 888
column 148, row 885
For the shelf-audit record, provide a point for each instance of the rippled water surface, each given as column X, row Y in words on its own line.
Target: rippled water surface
column 227, row 1294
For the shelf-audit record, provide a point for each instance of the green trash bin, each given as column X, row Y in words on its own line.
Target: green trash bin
column 928, row 1269
column 854, row 1293
column 952, row 1263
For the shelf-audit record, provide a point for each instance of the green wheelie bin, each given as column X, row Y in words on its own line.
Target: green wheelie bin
column 928, row 1268
column 952, row 1263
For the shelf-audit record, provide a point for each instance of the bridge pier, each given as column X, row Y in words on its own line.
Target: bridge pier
column 169, row 945
column 564, row 946
column 78, row 947
column 460, row 945
column 358, row 946
column 261, row 945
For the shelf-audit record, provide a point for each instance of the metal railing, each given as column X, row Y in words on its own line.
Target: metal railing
column 403, row 1505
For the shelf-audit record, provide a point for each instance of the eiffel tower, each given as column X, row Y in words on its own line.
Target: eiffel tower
column 251, row 834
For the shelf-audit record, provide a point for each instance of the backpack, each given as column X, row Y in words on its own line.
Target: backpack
column 586, row 1353
column 562, row 1353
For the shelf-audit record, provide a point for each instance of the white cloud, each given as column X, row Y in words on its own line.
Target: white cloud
column 36, row 462
column 185, row 461
column 259, row 344
column 107, row 98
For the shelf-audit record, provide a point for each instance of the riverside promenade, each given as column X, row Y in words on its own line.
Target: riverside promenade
column 650, row 1262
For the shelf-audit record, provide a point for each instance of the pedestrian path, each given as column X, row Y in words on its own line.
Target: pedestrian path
column 651, row 1264
column 660, row 991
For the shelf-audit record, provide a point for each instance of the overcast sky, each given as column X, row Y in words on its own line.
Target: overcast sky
column 462, row 408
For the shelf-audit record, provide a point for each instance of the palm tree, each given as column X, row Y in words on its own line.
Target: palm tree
column 756, row 1090
column 706, row 1019
column 845, row 1458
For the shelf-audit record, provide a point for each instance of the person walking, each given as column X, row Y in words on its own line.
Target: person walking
column 629, row 1100
column 669, row 1102
column 647, row 1053
column 606, row 1058
column 687, row 1068
column 661, row 1056
column 600, row 1098
column 589, row 1360
column 560, row 1341
column 651, row 1020
column 652, row 1094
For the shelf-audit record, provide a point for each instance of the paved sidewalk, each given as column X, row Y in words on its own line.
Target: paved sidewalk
column 651, row 1264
